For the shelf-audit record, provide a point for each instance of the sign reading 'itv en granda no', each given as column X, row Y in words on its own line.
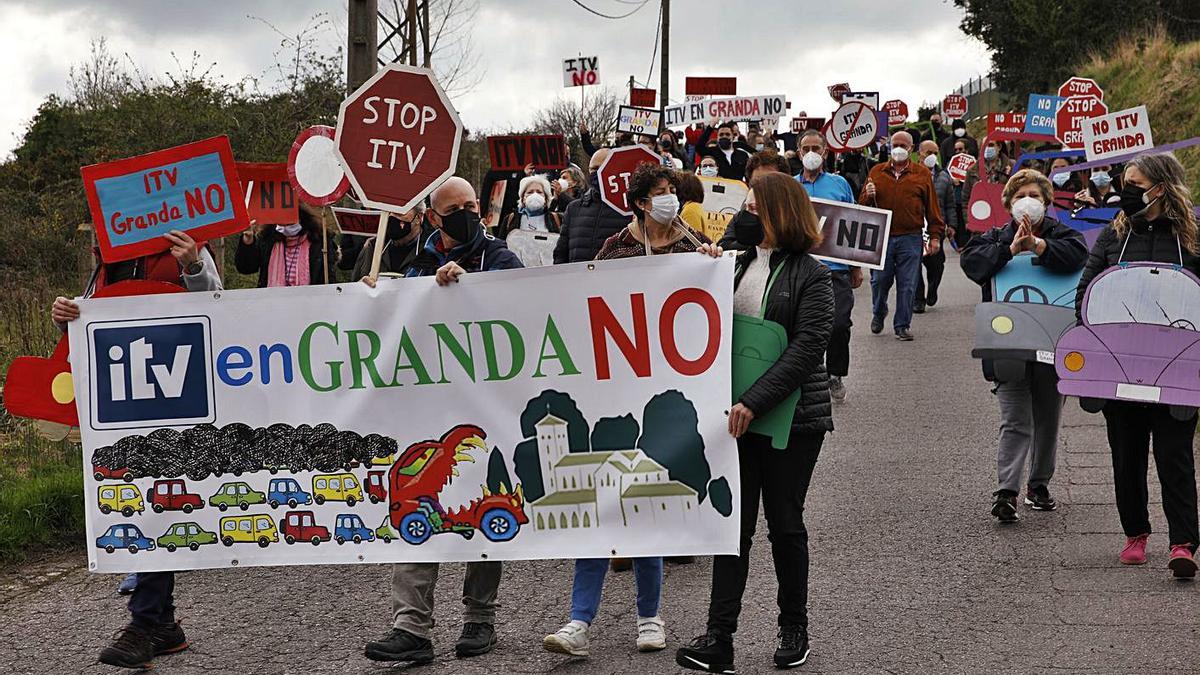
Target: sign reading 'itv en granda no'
column 256, row 427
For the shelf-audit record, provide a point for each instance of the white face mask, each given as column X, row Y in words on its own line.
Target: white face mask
column 535, row 202
column 960, row 132
column 663, row 208
column 899, row 155
column 288, row 230
column 1028, row 206
column 709, row 171
column 812, row 161
column 562, row 184
column 990, row 153
column 1060, row 179
column 931, row 162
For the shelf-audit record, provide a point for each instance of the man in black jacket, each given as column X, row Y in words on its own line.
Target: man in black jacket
column 406, row 235
column 588, row 221
column 731, row 160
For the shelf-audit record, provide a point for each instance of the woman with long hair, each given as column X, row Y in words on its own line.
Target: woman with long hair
column 1156, row 224
column 288, row 255
column 777, row 280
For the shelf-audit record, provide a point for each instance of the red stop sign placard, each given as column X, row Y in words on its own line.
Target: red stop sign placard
column 398, row 137
column 1070, row 117
column 1080, row 86
column 614, row 174
column 897, row 111
column 959, row 165
column 954, row 106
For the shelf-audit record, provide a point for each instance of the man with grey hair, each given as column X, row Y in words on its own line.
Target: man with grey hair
column 906, row 189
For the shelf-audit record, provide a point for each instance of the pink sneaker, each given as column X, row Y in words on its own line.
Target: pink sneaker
column 1134, row 552
column 1182, row 564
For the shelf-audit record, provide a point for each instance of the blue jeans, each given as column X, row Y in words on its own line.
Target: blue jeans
column 902, row 265
column 589, row 582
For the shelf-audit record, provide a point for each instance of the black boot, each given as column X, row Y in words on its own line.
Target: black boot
column 400, row 645
column 711, row 653
column 169, row 638
column 133, row 648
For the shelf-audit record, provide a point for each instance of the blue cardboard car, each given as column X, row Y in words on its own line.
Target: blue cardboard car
column 124, row 535
column 350, row 527
column 286, row 491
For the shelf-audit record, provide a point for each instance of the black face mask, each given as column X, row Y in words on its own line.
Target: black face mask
column 461, row 225
column 747, row 228
column 724, row 143
column 1131, row 200
column 398, row 229
column 594, row 181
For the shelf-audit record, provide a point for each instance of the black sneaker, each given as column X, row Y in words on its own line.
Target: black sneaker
column 932, row 298
column 903, row 335
column 877, row 324
column 476, row 639
column 918, row 307
column 400, row 645
column 1039, row 499
column 793, row 647
column 168, row 638
column 1005, row 506
column 711, row 652
column 133, row 648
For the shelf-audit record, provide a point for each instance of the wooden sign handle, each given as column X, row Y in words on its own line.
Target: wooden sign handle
column 324, row 245
column 377, row 256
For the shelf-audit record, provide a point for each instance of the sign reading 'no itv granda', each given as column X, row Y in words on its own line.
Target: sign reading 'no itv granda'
column 397, row 137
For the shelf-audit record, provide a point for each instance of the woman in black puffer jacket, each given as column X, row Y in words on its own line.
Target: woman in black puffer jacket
column 798, row 294
column 1156, row 224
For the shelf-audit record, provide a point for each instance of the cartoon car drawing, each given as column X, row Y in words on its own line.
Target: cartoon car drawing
column 125, row 499
column 337, row 487
column 385, row 532
column 1138, row 340
column 376, row 487
column 125, row 536
column 172, row 495
column 302, row 526
column 237, row 494
column 350, row 527
column 418, row 476
column 252, row 529
column 186, row 535
column 286, row 491
column 103, row 473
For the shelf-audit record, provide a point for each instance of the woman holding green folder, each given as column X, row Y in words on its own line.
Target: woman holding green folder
column 776, row 282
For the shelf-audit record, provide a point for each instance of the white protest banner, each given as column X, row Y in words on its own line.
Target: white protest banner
column 412, row 422
column 638, row 120
column 534, row 247
column 852, row 234
column 581, row 71
column 1118, row 133
column 733, row 109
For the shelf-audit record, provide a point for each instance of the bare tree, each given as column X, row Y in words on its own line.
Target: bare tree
column 445, row 41
column 598, row 112
column 101, row 80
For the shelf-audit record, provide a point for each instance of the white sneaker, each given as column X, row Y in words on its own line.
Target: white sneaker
column 571, row 639
column 837, row 389
column 651, row 636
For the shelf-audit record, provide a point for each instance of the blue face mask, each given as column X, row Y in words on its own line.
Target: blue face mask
column 989, row 153
column 1101, row 179
column 1060, row 179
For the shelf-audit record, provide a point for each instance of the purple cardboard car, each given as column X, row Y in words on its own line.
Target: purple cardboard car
column 1139, row 339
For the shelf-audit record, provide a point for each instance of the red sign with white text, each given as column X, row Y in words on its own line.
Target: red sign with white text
column 959, row 165
column 897, row 111
column 954, row 106
column 398, row 137
column 614, row 174
column 1071, row 115
column 1080, row 86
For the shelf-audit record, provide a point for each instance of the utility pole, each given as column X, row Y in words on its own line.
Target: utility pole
column 412, row 32
column 362, row 42
column 665, row 66
column 630, row 90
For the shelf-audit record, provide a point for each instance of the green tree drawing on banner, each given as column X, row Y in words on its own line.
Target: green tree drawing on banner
column 497, row 472
column 671, row 437
column 615, row 433
column 525, row 457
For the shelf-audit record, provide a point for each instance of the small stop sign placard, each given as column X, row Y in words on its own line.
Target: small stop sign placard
column 614, row 174
column 954, row 106
column 897, row 111
column 1070, row 117
column 398, row 137
column 1080, row 86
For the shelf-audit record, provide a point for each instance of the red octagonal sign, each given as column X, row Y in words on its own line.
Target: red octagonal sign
column 1070, row 117
column 1080, row 86
column 398, row 137
column 614, row 174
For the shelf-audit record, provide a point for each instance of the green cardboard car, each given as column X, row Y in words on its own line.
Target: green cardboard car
column 237, row 493
column 385, row 532
column 190, row 535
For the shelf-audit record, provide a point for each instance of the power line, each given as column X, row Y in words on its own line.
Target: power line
column 609, row 16
column 657, row 35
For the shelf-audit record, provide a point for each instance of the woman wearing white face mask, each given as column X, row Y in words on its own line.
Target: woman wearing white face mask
column 1030, row 404
column 708, row 168
column 533, row 213
column 656, row 227
column 287, row 255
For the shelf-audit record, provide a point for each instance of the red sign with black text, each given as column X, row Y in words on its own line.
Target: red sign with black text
column 270, row 199
column 710, row 86
column 512, row 153
column 642, row 98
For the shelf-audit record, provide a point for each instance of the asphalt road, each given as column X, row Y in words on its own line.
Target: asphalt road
column 909, row 571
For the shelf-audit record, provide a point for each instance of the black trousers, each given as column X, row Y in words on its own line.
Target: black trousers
column 153, row 602
column 781, row 477
column 1131, row 426
column 837, row 356
column 934, row 267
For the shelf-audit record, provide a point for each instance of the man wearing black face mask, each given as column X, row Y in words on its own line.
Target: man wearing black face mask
column 731, row 161
column 405, row 233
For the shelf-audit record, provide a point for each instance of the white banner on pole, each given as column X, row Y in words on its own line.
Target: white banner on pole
column 412, row 422
column 730, row 109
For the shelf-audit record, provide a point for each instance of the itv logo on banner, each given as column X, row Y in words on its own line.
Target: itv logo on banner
column 151, row 373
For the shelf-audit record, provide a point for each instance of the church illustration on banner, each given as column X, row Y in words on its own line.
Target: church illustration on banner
column 583, row 487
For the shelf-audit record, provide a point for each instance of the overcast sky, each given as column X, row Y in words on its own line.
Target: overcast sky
column 912, row 51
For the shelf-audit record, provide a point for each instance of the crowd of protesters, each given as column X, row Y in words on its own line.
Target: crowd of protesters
column 775, row 279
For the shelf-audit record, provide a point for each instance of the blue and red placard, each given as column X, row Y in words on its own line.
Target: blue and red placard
column 193, row 188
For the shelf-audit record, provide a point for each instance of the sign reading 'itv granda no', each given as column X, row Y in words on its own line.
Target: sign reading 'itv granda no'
column 266, row 427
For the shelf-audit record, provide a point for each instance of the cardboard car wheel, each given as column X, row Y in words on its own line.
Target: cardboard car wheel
column 313, row 167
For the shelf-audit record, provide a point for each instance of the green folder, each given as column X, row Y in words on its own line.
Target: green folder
column 757, row 345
